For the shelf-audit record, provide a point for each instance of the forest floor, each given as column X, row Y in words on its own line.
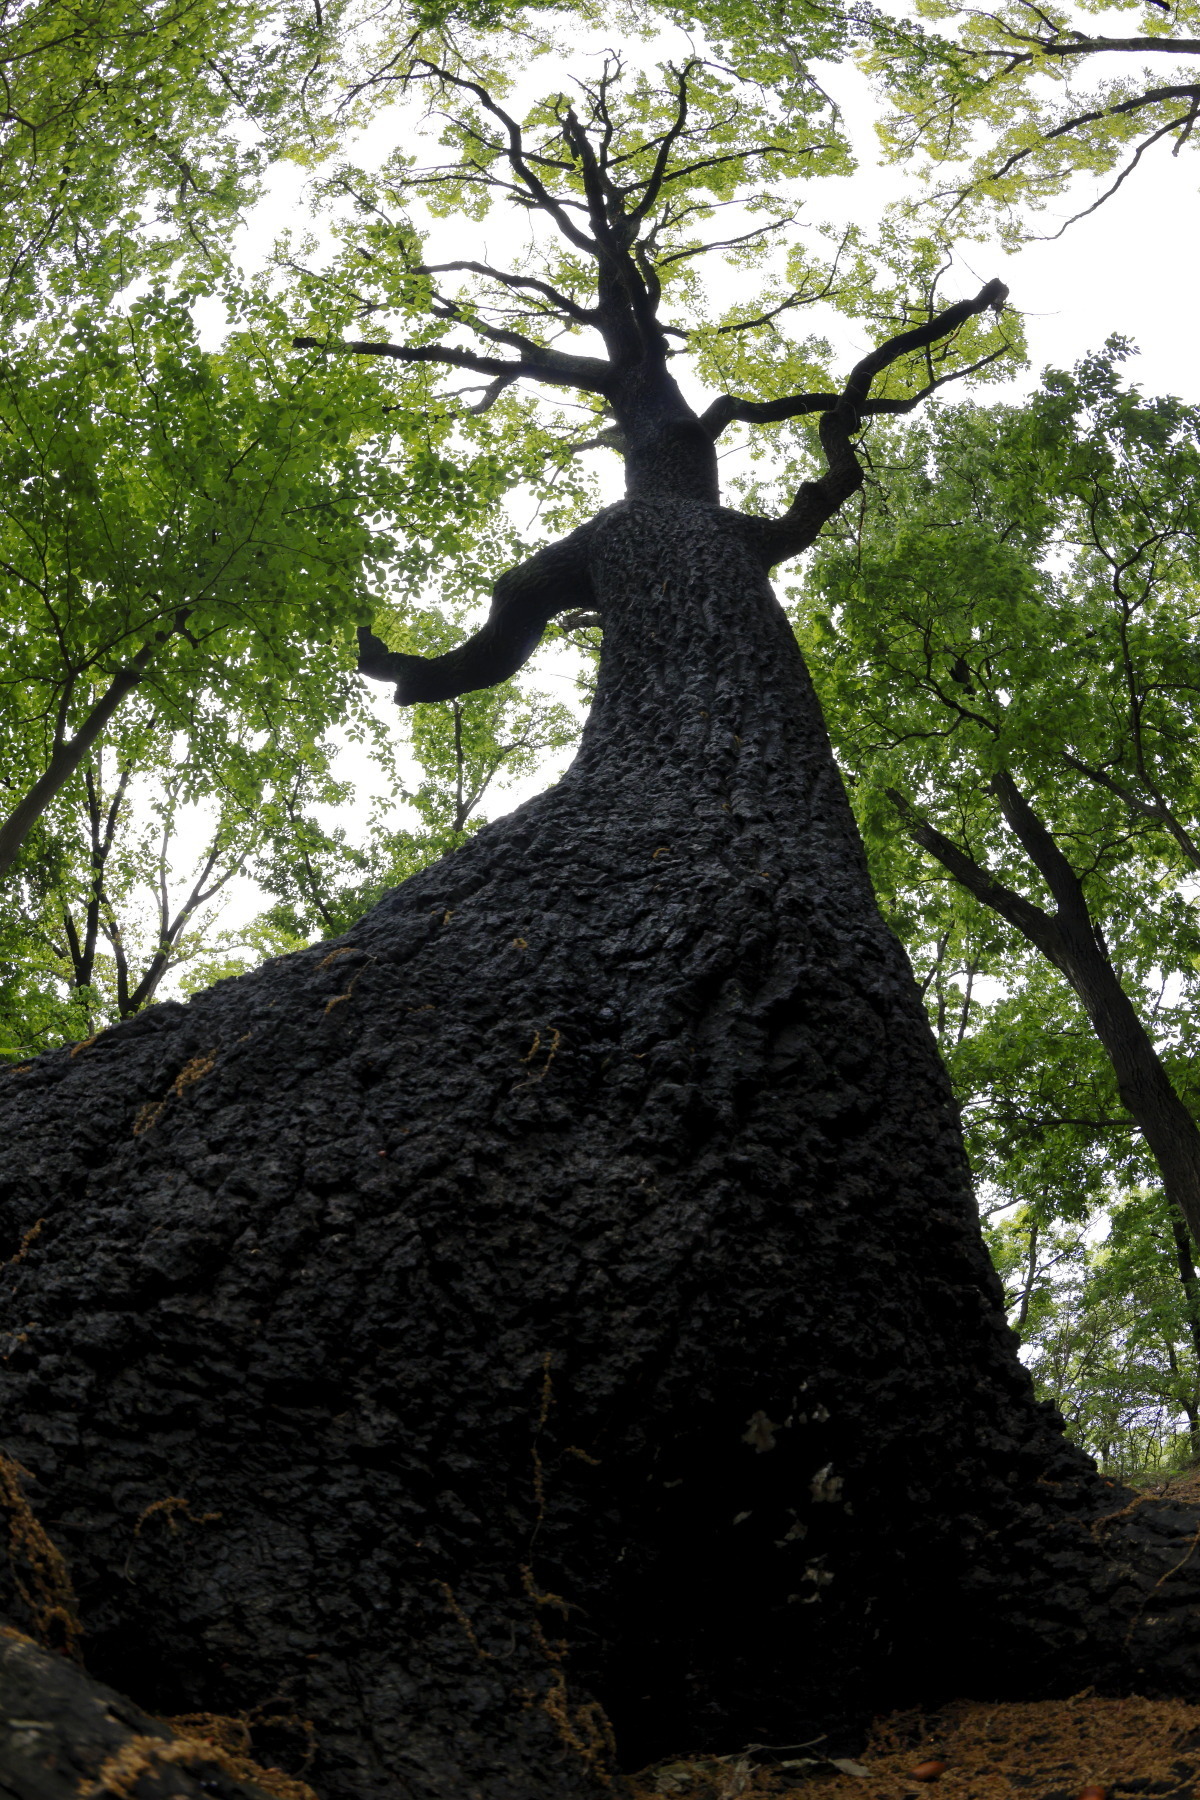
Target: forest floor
column 1084, row 1748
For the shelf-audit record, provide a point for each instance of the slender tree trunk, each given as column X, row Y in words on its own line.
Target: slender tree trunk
column 1190, row 1283
column 1031, row 1270
column 67, row 756
column 1070, row 940
column 1146, row 1090
column 558, row 1308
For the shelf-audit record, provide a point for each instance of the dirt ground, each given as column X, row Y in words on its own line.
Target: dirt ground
column 1084, row 1748
column 1040, row 1750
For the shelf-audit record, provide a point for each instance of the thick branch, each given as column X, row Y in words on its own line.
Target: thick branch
column 729, row 408
column 1039, row 845
column 1152, row 96
column 1030, row 920
column 554, row 366
column 841, row 417
column 1085, row 46
column 524, row 601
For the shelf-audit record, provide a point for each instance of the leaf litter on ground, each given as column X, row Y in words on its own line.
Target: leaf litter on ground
column 1021, row 1750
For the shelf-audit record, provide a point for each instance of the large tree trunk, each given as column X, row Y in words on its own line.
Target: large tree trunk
column 564, row 1292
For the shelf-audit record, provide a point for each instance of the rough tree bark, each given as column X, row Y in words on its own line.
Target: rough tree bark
column 549, row 1327
column 580, row 1250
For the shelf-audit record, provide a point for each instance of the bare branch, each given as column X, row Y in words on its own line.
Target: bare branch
column 583, row 315
column 653, row 186
column 746, row 237
column 519, row 160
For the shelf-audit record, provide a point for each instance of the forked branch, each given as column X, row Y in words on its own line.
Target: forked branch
column 842, row 416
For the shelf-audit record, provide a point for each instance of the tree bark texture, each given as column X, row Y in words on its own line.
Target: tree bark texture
column 556, row 1312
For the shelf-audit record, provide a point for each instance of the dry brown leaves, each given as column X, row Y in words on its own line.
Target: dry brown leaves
column 1034, row 1750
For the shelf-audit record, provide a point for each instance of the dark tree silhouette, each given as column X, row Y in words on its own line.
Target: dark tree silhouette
column 548, row 1327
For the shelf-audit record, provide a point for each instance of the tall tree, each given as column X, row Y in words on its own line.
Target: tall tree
column 159, row 505
column 553, row 1317
column 1106, row 1332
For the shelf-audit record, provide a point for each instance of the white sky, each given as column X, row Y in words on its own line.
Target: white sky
column 1129, row 268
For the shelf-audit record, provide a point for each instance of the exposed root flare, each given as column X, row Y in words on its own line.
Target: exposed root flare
column 39, row 1570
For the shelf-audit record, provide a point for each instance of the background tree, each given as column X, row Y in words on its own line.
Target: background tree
column 184, row 566
column 1108, row 1337
column 172, row 522
column 132, row 131
column 462, row 749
